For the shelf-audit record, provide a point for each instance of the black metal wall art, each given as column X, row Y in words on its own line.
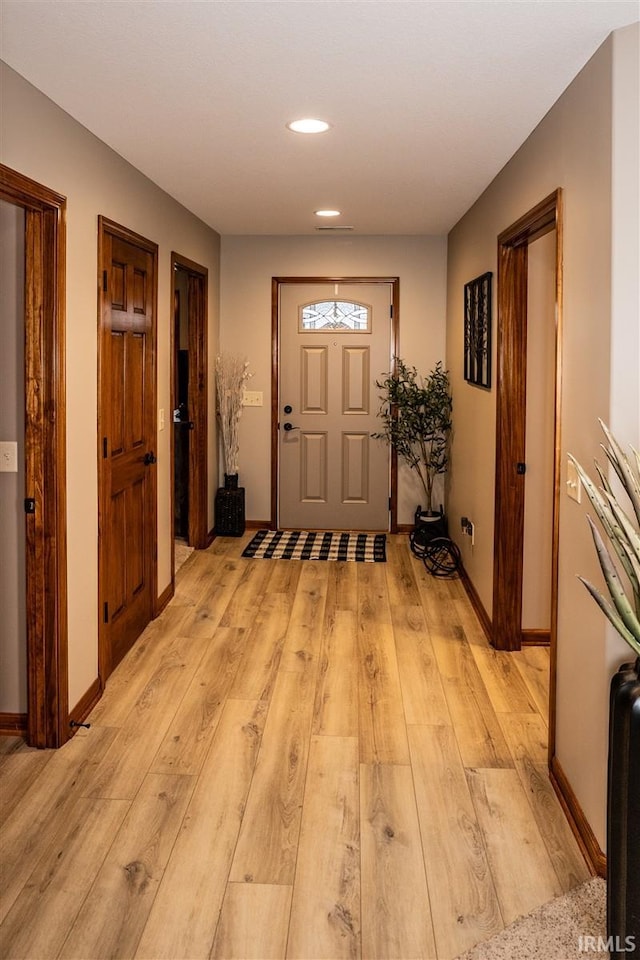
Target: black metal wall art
column 477, row 330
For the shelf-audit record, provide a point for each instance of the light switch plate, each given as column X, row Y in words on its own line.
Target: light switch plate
column 574, row 487
column 8, row 456
column 252, row 398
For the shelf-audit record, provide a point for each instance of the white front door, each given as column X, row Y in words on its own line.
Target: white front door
column 335, row 342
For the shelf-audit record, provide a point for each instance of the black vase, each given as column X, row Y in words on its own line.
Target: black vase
column 231, row 481
column 623, row 813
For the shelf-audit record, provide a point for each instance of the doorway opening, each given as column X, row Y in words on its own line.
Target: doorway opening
column 511, row 425
column 42, row 458
column 189, row 377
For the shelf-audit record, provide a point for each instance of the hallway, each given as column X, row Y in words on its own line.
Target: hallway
column 305, row 760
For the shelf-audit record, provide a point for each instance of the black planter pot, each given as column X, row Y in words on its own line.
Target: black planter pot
column 429, row 525
column 229, row 508
column 623, row 813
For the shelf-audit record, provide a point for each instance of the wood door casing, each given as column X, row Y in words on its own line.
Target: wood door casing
column 45, row 457
column 126, row 440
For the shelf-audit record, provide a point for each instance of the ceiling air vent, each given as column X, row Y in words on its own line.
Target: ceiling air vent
column 332, row 229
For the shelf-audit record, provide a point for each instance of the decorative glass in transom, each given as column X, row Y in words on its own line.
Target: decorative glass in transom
column 336, row 316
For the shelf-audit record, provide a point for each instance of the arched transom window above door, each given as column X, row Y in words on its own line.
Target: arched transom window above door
column 335, row 316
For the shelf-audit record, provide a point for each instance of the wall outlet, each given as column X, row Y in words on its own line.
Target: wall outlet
column 8, row 456
column 574, row 487
column 468, row 527
column 252, row 398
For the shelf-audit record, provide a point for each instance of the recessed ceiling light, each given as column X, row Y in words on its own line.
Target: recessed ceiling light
column 308, row 125
column 327, row 213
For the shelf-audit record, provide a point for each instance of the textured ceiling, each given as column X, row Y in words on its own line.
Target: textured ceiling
column 427, row 100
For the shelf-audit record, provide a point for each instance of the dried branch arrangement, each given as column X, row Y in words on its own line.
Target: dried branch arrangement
column 231, row 375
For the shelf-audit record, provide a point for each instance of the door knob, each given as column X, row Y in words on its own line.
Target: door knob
column 289, row 426
column 149, row 458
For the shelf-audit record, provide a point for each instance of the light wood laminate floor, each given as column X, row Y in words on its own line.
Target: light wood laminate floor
column 296, row 760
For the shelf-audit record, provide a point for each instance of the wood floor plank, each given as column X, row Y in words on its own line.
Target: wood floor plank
column 250, row 586
column 55, row 890
column 342, row 587
column 193, row 581
column 383, row 736
column 19, row 770
column 336, row 703
column 400, row 576
column 526, row 735
column 563, row 850
column 189, row 734
column 535, row 668
column 112, row 917
column 396, row 917
column 259, row 664
column 514, row 845
column 184, row 916
column 31, row 828
column 478, row 731
column 304, row 633
column 125, row 764
column 253, row 922
column 325, row 912
column 422, row 690
column 217, row 604
column 268, row 841
column 127, row 682
column 464, row 904
column 502, row 680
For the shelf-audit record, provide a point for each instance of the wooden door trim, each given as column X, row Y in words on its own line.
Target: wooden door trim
column 198, row 452
column 276, row 283
column 123, row 233
column 45, row 456
column 511, row 419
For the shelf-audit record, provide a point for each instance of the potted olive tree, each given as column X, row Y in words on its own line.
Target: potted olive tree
column 416, row 420
column 619, row 555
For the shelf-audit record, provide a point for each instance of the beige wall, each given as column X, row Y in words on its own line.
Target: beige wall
column 40, row 140
column 572, row 148
column 13, row 622
column 247, row 266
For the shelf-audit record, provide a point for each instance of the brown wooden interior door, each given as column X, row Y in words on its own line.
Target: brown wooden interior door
column 127, row 435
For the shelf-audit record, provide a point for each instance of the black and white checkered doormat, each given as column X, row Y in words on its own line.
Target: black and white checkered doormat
column 299, row 545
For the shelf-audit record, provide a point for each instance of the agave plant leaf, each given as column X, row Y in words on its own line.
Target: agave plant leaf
column 625, row 530
column 623, row 468
column 597, row 500
column 616, row 589
column 612, row 616
column 624, row 537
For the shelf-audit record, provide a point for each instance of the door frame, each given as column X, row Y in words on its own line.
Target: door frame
column 276, row 284
column 124, row 233
column 198, row 404
column 45, row 457
column 511, row 424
